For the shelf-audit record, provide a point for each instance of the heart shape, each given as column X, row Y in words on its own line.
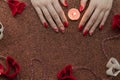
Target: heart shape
column 1, row 30
column 11, row 64
column 66, row 73
column 116, row 21
column 1, row 69
column 16, row 6
column 113, row 67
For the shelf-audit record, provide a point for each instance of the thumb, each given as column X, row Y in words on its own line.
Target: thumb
column 64, row 2
column 82, row 5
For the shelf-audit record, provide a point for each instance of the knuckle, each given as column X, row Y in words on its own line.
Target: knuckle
column 60, row 12
column 55, row 16
column 107, row 9
column 48, row 16
column 45, row 4
column 99, row 19
column 87, row 16
column 92, row 4
column 39, row 14
column 100, row 8
column 60, row 24
column 93, row 20
column 50, row 21
column 83, row 22
column 34, row 3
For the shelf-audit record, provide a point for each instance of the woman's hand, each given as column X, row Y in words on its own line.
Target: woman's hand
column 96, row 14
column 50, row 11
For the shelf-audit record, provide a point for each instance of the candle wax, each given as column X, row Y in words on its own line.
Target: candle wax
column 74, row 14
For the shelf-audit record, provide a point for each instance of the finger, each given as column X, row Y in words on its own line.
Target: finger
column 91, row 21
column 104, row 20
column 56, row 17
column 60, row 13
column 40, row 14
column 49, row 18
column 86, row 16
column 64, row 2
column 82, row 5
column 96, row 23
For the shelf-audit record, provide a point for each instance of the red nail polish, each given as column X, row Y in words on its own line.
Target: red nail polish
column 62, row 31
column 65, row 24
column 66, row 4
column 85, row 33
column 81, row 28
column 56, row 30
column 45, row 25
column 81, row 8
column 91, row 33
column 101, row 27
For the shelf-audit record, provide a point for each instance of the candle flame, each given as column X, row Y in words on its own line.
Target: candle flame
column 74, row 13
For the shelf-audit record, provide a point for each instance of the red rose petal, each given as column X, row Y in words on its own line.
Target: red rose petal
column 1, row 69
column 16, row 6
column 21, row 7
column 116, row 21
column 66, row 73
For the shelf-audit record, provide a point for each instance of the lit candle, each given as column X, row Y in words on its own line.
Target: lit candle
column 74, row 14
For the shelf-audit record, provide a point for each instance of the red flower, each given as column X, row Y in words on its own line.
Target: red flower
column 10, row 64
column 116, row 21
column 66, row 73
column 1, row 69
column 16, row 6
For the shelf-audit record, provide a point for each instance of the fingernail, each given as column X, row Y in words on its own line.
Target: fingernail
column 85, row 33
column 101, row 27
column 56, row 30
column 81, row 8
column 91, row 33
column 45, row 25
column 62, row 30
column 81, row 28
column 65, row 24
column 66, row 4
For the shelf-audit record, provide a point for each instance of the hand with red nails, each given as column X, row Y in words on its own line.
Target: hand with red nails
column 96, row 15
column 51, row 11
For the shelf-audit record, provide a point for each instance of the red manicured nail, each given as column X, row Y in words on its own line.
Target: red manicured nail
column 85, row 33
column 81, row 28
column 66, row 4
column 81, row 8
column 45, row 25
column 62, row 31
column 56, row 30
column 65, row 24
column 91, row 33
column 101, row 27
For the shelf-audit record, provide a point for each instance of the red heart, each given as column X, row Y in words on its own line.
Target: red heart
column 1, row 69
column 16, row 6
column 66, row 73
column 11, row 64
column 116, row 21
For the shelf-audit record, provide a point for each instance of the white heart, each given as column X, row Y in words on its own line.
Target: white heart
column 1, row 31
column 111, row 65
column 1, row 36
column 1, row 27
column 111, row 73
column 113, row 61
